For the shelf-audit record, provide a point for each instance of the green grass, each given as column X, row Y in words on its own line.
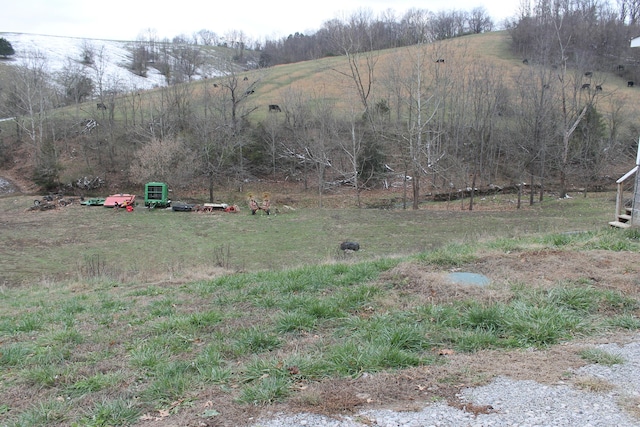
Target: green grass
column 596, row 355
column 104, row 349
column 96, row 243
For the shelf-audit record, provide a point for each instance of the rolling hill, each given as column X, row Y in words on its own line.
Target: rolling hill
column 330, row 78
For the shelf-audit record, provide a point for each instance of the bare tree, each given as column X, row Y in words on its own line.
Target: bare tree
column 415, row 27
column 169, row 160
column 322, row 140
column 354, row 42
column 298, row 123
column 535, row 126
column 75, row 82
column 487, row 97
column 187, row 60
column 208, row 37
column 576, row 98
column 417, row 109
column 479, row 21
column 30, row 98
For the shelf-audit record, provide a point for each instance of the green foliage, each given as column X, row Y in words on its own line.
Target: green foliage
column 6, row 49
column 623, row 321
column 119, row 412
column 256, row 340
column 266, row 390
column 602, row 357
column 295, row 321
column 93, row 384
column 540, row 326
column 41, row 414
column 371, row 161
column 452, row 255
column 15, row 354
column 171, row 382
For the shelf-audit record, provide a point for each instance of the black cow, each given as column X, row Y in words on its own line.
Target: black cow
column 274, row 107
column 101, row 106
column 630, row 83
column 599, row 87
column 588, row 74
column 586, row 86
column 440, row 60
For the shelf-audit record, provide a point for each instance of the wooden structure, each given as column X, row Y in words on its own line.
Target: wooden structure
column 627, row 216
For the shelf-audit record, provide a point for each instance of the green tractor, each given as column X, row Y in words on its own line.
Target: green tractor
column 156, row 195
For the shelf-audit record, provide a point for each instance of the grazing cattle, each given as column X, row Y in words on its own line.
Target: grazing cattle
column 525, row 61
column 599, row 87
column 630, row 83
column 620, row 68
column 215, row 85
column 588, row 74
column 440, row 60
column 249, row 92
column 101, row 106
column 245, row 79
column 349, row 246
column 586, row 86
column 274, row 107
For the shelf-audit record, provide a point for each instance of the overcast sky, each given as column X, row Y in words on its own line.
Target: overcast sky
column 127, row 19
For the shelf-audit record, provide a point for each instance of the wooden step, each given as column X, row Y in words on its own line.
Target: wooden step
column 624, row 218
column 619, row 224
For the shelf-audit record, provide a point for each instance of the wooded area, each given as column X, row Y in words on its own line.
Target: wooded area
column 413, row 112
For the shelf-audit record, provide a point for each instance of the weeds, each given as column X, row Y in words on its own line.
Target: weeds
column 93, row 267
column 449, row 256
column 118, row 412
column 222, row 256
column 594, row 385
column 601, row 357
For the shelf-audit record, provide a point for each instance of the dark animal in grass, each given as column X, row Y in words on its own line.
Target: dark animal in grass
column 349, row 246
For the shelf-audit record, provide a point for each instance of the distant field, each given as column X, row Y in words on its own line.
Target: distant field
column 153, row 245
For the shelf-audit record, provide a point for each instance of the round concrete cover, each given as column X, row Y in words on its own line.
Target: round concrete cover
column 463, row 278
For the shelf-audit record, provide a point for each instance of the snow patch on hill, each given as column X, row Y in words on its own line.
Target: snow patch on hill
column 58, row 51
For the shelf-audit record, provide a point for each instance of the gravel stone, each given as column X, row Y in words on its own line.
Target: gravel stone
column 515, row 403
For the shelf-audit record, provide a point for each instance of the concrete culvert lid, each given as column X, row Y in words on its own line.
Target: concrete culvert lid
column 464, row 278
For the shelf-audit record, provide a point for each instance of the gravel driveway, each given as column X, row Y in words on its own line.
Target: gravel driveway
column 518, row 403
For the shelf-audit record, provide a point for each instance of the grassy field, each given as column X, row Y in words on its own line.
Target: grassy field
column 147, row 245
column 164, row 318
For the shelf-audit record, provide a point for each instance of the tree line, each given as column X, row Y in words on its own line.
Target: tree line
column 413, row 122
